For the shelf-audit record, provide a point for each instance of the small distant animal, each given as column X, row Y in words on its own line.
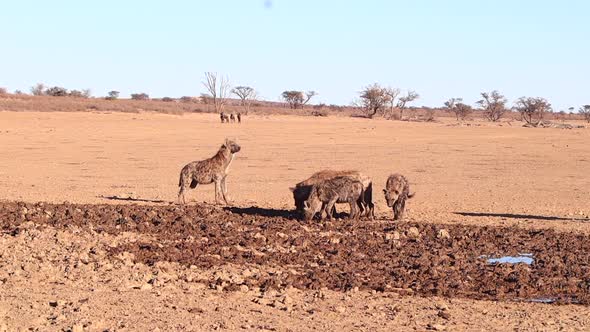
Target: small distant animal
column 302, row 189
column 239, row 117
column 226, row 118
column 326, row 194
column 212, row 170
column 232, row 117
column 397, row 191
column 222, row 117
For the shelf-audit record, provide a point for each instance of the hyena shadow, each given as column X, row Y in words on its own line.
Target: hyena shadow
column 262, row 212
column 133, row 199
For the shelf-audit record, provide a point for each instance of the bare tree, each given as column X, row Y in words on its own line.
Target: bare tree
column 296, row 99
column 493, row 105
column 392, row 93
column 218, row 89
column 532, row 110
column 374, row 99
column 309, row 95
column 404, row 100
column 246, row 94
column 585, row 111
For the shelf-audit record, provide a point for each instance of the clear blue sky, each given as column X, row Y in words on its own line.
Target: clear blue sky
column 441, row 49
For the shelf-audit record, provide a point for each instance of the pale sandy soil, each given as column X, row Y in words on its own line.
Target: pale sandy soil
column 508, row 174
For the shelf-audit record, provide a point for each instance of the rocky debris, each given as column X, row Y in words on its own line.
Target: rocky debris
column 164, row 246
column 413, row 234
column 436, row 327
column 443, row 234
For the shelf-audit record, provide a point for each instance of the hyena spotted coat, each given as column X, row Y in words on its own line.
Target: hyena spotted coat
column 326, row 194
column 397, row 191
column 212, row 170
column 302, row 189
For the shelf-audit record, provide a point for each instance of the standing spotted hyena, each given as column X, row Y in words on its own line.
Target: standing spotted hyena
column 397, row 191
column 232, row 117
column 302, row 189
column 326, row 194
column 212, row 170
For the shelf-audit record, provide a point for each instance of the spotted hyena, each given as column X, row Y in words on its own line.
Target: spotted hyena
column 212, row 170
column 222, row 117
column 397, row 191
column 302, row 189
column 326, row 194
column 232, row 117
column 239, row 117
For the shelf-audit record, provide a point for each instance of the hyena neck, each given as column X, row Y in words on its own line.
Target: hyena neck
column 226, row 157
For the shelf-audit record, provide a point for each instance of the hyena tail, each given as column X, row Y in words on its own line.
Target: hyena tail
column 412, row 195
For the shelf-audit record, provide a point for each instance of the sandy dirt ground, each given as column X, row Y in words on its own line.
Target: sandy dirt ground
column 479, row 175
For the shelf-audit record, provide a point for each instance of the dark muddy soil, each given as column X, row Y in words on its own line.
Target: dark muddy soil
column 414, row 258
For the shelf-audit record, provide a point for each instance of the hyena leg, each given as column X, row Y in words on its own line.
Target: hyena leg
column 330, row 206
column 354, row 210
column 218, row 191
column 398, row 209
column 185, row 180
column 224, row 190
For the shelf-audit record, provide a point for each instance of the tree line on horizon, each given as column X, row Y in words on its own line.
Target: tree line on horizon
column 373, row 100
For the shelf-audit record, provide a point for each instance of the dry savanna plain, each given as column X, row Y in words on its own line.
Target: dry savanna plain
column 91, row 237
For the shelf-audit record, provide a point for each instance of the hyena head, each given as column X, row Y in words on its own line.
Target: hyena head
column 393, row 192
column 300, row 195
column 232, row 146
column 311, row 206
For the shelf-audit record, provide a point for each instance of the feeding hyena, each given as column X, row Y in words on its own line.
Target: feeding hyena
column 326, row 194
column 212, row 170
column 397, row 191
column 302, row 189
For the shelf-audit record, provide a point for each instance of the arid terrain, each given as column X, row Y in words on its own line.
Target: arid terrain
column 91, row 238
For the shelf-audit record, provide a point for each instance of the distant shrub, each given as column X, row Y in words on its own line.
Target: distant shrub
column 112, row 95
column 93, row 107
column 75, row 93
column 334, row 107
column 18, row 92
column 188, row 99
column 319, row 106
column 3, row 91
column 585, row 111
column 56, row 91
column 167, row 99
column 322, row 113
column 140, row 96
column 38, row 89
column 429, row 117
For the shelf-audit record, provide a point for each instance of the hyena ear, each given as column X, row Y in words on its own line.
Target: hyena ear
column 292, row 189
column 226, row 142
column 306, row 204
column 385, row 191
